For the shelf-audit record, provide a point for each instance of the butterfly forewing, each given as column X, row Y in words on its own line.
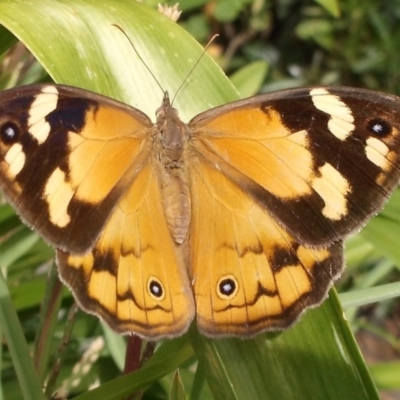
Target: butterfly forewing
column 320, row 160
column 66, row 158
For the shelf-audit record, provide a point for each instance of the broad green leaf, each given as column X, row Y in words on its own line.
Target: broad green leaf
column 299, row 363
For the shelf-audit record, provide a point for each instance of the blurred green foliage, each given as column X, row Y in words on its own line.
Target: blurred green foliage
column 304, row 42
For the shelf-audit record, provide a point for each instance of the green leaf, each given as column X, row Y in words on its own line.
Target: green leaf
column 16, row 245
column 228, row 10
column 387, row 375
column 167, row 358
column 370, row 295
column 332, row 6
column 317, row 358
column 319, row 30
column 248, row 80
column 384, row 231
column 11, row 329
column 177, row 388
column 7, row 39
column 116, row 345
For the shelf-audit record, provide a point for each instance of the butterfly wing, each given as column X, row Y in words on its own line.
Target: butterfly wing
column 134, row 277
column 320, row 160
column 66, row 157
column 249, row 273
column 79, row 169
column 284, row 178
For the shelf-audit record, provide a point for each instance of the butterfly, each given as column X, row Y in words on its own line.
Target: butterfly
column 236, row 219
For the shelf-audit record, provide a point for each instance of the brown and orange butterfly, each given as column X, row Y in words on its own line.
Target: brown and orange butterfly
column 236, row 218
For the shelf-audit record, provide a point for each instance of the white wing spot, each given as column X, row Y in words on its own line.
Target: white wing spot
column 341, row 123
column 15, row 158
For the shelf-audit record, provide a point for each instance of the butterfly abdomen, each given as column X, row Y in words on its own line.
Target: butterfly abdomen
column 176, row 202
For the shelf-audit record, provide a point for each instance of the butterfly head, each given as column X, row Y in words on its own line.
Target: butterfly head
column 165, row 108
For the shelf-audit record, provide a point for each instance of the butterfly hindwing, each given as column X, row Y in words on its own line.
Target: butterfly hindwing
column 134, row 277
column 321, row 160
column 65, row 160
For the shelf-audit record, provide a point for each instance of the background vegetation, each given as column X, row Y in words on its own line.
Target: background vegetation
column 263, row 46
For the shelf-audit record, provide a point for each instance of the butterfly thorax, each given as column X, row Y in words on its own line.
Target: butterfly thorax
column 170, row 144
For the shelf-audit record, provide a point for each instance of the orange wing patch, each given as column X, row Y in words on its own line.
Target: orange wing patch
column 258, row 144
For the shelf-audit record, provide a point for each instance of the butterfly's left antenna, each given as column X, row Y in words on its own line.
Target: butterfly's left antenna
column 140, row 57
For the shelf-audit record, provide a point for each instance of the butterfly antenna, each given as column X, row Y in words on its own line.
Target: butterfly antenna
column 140, row 57
column 194, row 66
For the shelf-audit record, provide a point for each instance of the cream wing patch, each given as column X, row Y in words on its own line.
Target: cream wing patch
column 377, row 152
column 15, row 158
column 341, row 123
column 333, row 188
column 43, row 105
column 58, row 193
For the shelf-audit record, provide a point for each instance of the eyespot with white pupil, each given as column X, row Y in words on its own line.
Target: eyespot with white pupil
column 379, row 127
column 227, row 287
column 155, row 288
column 9, row 133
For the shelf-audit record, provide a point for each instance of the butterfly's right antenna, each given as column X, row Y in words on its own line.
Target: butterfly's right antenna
column 194, row 66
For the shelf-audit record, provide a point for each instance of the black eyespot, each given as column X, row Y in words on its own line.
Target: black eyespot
column 379, row 127
column 227, row 287
column 9, row 133
column 155, row 288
